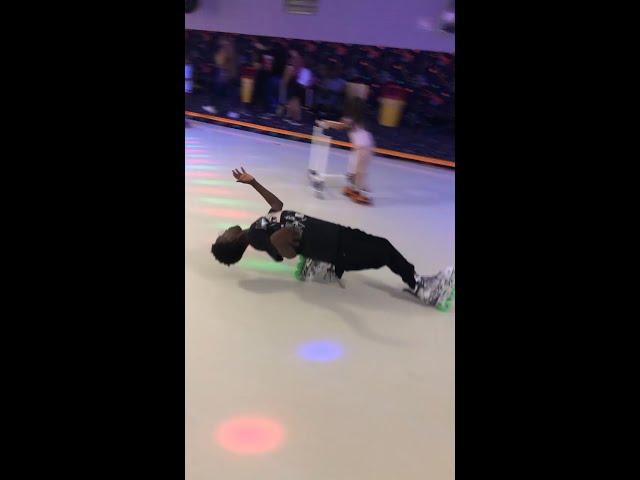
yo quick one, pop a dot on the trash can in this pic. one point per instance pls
(247, 82)
(392, 101)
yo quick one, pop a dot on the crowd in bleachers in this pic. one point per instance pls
(298, 81)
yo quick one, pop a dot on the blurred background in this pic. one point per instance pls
(398, 56)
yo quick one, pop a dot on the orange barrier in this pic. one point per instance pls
(306, 136)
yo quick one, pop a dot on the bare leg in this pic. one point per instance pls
(362, 167)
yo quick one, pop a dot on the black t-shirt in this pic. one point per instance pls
(260, 232)
(318, 239)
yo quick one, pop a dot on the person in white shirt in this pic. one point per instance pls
(361, 153)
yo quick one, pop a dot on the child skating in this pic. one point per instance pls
(363, 145)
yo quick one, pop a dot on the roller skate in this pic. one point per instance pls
(438, 290)
(349, 192)
(309, 270)
(318, 188)
(360, 198)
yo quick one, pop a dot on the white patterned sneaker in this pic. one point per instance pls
(438, 290)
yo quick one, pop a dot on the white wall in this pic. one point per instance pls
(389, 23)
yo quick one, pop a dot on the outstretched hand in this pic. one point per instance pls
(242, 176)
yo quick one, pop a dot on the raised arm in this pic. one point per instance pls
(243, 177)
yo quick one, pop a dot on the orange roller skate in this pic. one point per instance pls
(349, 192)
(360, 198)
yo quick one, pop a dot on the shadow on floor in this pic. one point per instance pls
(327, 297)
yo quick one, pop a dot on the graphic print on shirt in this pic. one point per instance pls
(274, 216)
(293, 220)
(318, 238)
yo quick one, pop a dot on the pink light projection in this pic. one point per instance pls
(212, 191)
(227, 213)
(250, 435)
(196, 174)
(198, 161)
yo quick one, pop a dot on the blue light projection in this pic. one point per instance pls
(320, 351)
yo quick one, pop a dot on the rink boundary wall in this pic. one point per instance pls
(307, 137)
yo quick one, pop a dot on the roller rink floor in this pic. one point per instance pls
(289, 380)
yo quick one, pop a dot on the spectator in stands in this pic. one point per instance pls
(331, 91)
(262, 84)
(225, 75)
(320, 75)
(428, 76)
(297, 79)
(279, 55)
(188, 81)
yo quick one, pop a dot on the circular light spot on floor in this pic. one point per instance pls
(320, 351)
(250, 435)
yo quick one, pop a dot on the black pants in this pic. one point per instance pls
(261, 90)
(221, 89)
(358, 250)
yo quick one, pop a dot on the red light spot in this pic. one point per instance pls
(227, 213)
(212, 191)
(250, 435)
(194, 161)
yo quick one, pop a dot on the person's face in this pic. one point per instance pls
(231, 234)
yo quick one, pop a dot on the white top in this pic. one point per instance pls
(360, 138)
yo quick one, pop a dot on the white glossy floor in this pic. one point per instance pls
(288, 380)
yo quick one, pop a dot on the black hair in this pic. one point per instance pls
(228, 252)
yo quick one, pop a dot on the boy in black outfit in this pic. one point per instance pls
(330, 249)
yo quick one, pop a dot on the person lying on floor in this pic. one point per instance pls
(330, 249)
